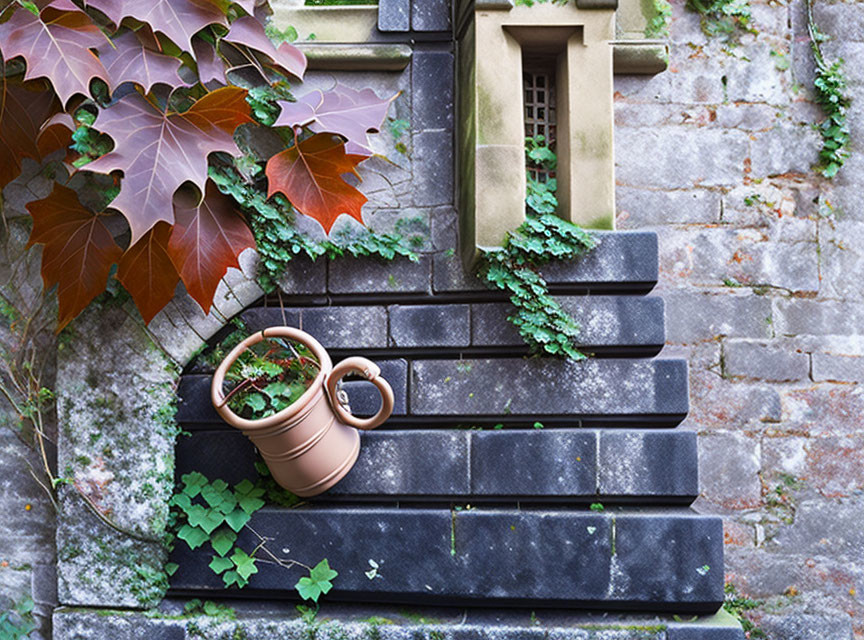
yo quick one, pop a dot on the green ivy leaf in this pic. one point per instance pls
(318, 583)
(171, 568)
(237, 519)
(193, 483)
(207, 519)
(245, 564)
(193, 536)
(218, 565)
(223, 540)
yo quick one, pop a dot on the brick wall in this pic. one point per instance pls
(760, 263)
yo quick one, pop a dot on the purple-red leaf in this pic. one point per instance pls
(147, 272)
(310, 176)
(342, 110)
(178, 20)
(23, 110)
(130, 61)
(158, 151)
(249, 32)
(210, 65)
(207, 239)
(78, 253)
(56, 45)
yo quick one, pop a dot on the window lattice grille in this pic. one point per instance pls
(539, 86)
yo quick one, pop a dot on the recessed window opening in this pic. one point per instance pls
(538, 80)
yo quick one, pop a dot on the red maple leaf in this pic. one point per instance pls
(310, 174)
(56, 45)
(160, 150)
(147, 272)
(78, 253)
(250, 32)
(23, 111)
(207, 238)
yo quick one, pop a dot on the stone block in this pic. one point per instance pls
(424, 464)
(729, 465)
(394, 15)
(719, 404)
(430, 325)
(823, 527)
(675, 158)
(544, 462)
(620, 321)
(347, 327)
(639, 208)
(799, 316)
(432, 90)
(373, 276)
(613, 559)
(652, 390)
(807, 626)
(694, 316)
(258, 318)
(623, 260)
(764, 360)
(831, 368)
(433, 167)
(119, 625)
(365, 398)
(841, 250)
(352, 622)
(304, 276)
(710, 256)
(786, 148)
(648, 463)
(430, 15)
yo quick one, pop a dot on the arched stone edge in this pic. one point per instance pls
(116, 382)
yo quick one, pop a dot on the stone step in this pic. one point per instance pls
(519, 390)
(619, 324)
(562, 465)
(364, 622)
(660, 560)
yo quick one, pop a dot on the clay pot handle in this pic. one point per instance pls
(371, 372)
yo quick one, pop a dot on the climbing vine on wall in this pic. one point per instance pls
(830, 87)
(141, 98)
(541, 320)
(723, 18)
(658, 25)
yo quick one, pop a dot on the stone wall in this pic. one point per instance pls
(760, 263)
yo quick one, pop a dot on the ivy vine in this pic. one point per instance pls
(213, 512)
(830, 88)
(723, 18)
(541, 320)
(658, 25)
(18, 623)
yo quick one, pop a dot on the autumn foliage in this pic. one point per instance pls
(168, 82)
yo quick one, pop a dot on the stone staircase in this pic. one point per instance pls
(483, 491)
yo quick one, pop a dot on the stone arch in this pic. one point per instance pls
(116, 383)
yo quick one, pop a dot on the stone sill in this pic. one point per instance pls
(269, 619)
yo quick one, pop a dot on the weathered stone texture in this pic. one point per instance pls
(763, 297)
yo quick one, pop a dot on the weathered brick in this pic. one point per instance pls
(826, 527)
(787, 148)
(430, 15)
(645, 207)
(433, 167)
(394, 15)
(824, 408)
(764, 361)
(675, 158)
(603, 321)
(347, 327)
(432, 90)
(374, 276)
(712, 256)
(729, 465)
(832, 368)
(796, 316)
(806, 626)
(430, 325)
(719, 403)
(842, 253)
(693, 315)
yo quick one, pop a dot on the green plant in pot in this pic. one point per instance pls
(279, 387)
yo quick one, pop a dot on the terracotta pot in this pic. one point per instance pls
(310, 445)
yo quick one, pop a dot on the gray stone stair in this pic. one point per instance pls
(262, 620)
(575, 466)
(492, 390)
(620, 558)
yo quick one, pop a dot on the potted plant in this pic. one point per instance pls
(279, 387)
